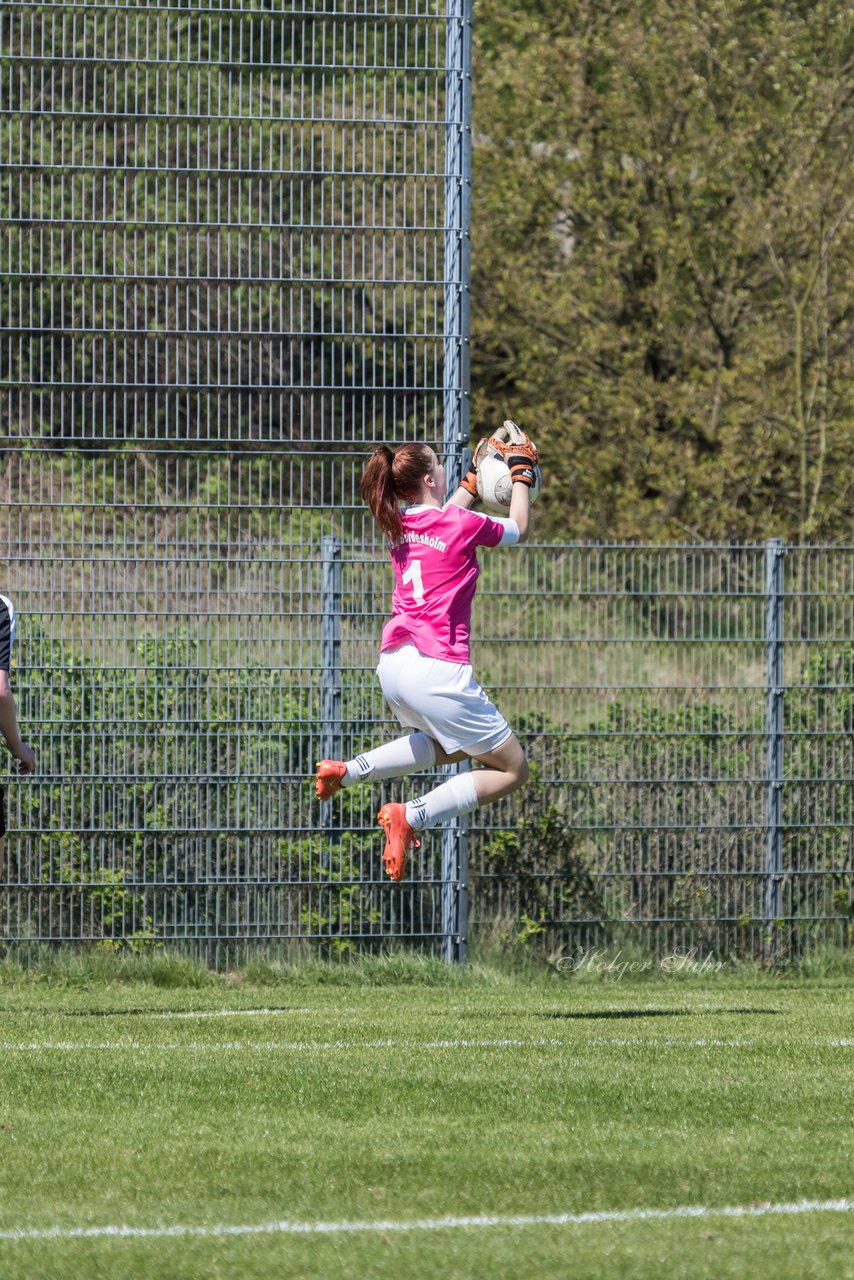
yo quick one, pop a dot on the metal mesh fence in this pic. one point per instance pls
(222, 224)
(689, 711)
(234, 257)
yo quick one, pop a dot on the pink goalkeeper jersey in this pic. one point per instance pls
(435, 569)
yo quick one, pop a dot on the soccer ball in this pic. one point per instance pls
(494, 485)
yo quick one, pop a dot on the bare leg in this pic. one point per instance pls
(504, 771)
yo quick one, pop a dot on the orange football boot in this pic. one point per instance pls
(329, 776)
(399, 839)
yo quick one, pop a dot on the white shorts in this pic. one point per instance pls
(443, 699)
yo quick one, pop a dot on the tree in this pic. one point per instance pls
(662, 243)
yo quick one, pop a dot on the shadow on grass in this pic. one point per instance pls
(649, 1013)
(254, 1011)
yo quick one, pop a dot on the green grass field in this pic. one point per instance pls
(375, 1097)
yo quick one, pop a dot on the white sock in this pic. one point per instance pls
(457, 795)
(392, 760)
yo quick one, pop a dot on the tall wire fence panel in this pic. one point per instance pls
(228, 230)
(224, 224)
(689, 714)
(234, 257)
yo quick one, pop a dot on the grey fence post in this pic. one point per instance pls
(331, 733)
(457, 275)
(774, 553)
(456, 381)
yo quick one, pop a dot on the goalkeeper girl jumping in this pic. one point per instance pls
(424, 667)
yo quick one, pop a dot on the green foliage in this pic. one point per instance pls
(223, 299)
(631, 843)
(662, 244)
(131, 827)
(338, 911)
(818, 798)
(540, 864)
(657, 814)
(653, 811)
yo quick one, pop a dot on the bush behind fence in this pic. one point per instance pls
(174, 802)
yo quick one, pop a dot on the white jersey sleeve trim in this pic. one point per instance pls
(510, 530)
(510, 534)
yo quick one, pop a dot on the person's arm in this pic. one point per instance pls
(520, 508)
(466, 494)
(21, 750)
(463, 497)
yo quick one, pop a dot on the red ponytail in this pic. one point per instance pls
(392, 477)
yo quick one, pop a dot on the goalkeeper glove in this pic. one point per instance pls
(469, 482)
(522, 470)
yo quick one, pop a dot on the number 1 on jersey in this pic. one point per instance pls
(413, 575)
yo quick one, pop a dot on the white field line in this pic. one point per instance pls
(758, 1210)
(220, 1013)
(327, 1046)
(285, 1046)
